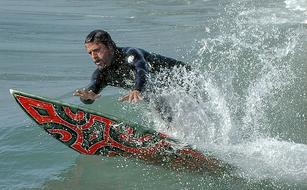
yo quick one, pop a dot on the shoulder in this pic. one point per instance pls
(97, 73)
(134, 54)
(133, 51)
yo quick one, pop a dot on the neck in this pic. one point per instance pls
(118, 56)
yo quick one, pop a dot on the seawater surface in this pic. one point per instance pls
(247, 100)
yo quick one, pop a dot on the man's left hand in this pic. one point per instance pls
(132, 97)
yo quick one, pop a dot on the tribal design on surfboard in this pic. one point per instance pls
(92, 133)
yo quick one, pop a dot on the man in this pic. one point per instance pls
(123, 67)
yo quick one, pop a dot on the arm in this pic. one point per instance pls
(89, 94)
(140, 75)
(162, 62)
(136, 59)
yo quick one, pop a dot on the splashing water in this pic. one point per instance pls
(241, 94)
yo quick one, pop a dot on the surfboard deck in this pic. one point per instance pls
(89, 132)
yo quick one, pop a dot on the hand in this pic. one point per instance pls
(132, 97)
(86, 94)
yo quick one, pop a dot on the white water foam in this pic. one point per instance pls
(296, 5)
(268, 158)
(226, 110)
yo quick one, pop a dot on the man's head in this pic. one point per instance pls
(100, 47)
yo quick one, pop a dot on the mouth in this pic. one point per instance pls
(100, 63)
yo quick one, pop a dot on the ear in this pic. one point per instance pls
(111, 48)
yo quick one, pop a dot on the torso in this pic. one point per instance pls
(129, 68)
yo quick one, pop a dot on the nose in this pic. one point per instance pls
(94, 55)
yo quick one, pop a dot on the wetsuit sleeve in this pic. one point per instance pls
(140, 75)
(166, 62)
(136, 59)
(96, 85)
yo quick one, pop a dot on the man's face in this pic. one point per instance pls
(100, 54)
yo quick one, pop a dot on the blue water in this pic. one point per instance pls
(249, 89)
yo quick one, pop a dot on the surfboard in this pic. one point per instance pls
(92, 133)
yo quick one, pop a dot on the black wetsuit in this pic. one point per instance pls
(129, 70)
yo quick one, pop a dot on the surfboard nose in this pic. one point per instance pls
(12, 91)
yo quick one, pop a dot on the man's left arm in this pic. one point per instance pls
(136, 59)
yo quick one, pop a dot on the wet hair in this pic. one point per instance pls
(100, 36)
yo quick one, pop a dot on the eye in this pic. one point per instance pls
(96, 50)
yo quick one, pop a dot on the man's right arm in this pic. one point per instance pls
(91, 92)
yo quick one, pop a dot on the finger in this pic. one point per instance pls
(77, 93)
(89, 94)
(130, 97)
(93, 95)
(81, 91)
(140, 97)
(123, 98)
(135, 98)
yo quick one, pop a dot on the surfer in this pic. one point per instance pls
(124, 67)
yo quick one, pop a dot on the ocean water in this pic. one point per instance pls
(247, 101)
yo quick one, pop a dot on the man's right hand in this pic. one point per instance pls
(86, 94)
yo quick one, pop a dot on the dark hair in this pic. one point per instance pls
(100, 36)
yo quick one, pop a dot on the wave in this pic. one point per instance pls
(296, 5)
(243, 96)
